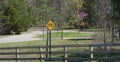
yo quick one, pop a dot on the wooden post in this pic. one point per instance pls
(50, 45)
(65, 53)
(41, 55)
(91, 54)
(47, 43)
(17, 55)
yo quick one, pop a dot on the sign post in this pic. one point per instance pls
(50, 25)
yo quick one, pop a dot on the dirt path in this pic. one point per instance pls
(22, 37)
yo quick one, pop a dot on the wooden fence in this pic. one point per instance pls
(93, 52)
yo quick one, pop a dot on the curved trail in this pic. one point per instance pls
(22, 37)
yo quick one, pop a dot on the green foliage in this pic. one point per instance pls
(45, 11)
(88, 6)
(60, 11)
(17, 16)
(73, 23)
(116, 6)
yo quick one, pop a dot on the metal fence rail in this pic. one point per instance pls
(94, 52)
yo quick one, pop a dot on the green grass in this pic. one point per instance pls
(43, 43)
(2, 36)
(54, 42)
(66, 34)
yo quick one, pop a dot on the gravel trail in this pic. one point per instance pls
(22, 37)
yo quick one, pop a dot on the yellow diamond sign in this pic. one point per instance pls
(50, 25)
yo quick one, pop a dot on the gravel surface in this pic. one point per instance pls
(22, 37)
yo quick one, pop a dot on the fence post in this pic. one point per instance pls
(41, 55)
(17, 55)
(91, 54)
(65, 53)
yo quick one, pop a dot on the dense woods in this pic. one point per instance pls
(18, 15)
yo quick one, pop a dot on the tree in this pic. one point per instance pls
(21, 14)
(56, 9)
(67, 11)
(17, 16)
(116, 9)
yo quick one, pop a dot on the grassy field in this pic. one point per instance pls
(54, 42)
(66, 34)
(43, 43)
